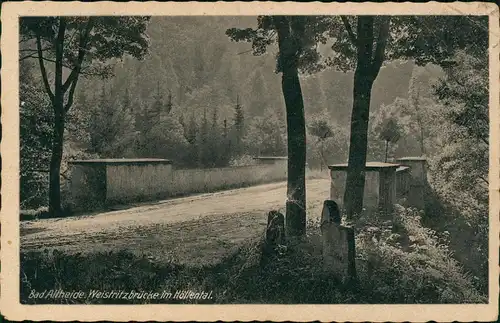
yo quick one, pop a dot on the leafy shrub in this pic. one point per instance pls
(399, 261)
(245, 160)
(105, 271)
(409, 263)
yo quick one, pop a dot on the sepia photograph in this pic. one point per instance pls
(208, 157)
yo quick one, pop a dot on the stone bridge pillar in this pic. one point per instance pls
(418, 180)
(387, 189)
(380, 185)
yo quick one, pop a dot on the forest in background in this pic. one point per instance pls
(212, 103)
(192, 85)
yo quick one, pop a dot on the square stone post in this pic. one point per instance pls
(337, 186)
(418, 180)
(339, 252)
(87, 185)
(387, 190)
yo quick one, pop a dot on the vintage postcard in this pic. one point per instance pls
(250, 161)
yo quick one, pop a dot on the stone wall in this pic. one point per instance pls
(185, 181)
(417, 180)
(371, 191)
(130, 182)
(385, 184)
(88, 186)
(103, 182)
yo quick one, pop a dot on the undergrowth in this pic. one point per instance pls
(409, 263)
(398, 262)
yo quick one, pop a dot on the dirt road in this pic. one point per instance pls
(197, 229)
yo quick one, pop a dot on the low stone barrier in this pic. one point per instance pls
(338, 244)
(100, 182)
(274, 238)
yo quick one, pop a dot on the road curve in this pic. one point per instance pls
(224, 217)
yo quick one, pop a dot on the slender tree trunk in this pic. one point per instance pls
(59, 115)
(321, 161)
(296, 130)
(55, 163)
(355, 180)
(296, 189)
(422, 147)
(419, 122)
(386, 150)
(367, 68)
(57, 99)
(322, 155)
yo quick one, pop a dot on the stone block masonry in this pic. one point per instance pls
(417, 180)
(339, 254)
(385, 184)
(100, 182)
(380, 185)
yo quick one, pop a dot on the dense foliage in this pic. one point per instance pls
(218, 105)
(399, 262)
(72, 47)
(35, 139)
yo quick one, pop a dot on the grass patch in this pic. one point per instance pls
(240, 278)
(34, 214)
(43, 213)
(317, 173)
(409, 263)
(399, 262)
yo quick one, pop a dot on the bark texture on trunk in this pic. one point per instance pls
(386, 150)
(355, 180)
(296, 128)
(59, 116)
(369, 61)
(59, 106)
(55, 165)
(296, 188)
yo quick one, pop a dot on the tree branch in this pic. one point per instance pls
(383, 34)
(46, 59)
(59, 55)
(244, 52)
(32, 55)
(42, 68)
(347, 26)
(71, 95)
(66, 65)
(485, 140)
(33, 50)
(73, 77)
(78, 68)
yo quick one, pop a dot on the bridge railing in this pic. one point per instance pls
(96, 183)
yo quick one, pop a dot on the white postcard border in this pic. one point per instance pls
(10, 257)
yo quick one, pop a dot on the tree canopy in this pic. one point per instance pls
(79, 46)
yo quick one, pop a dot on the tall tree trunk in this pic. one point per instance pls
(386, 150)
(322, 156)
(419, 122)
(59, 114)
(296, 188)
(57, 100)
(367, 68)
(421, 139)
(55, 163)
(355, 180)
(422, 146)
(296, 128)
